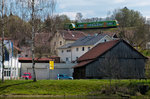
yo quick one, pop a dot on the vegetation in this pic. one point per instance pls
(123, 88)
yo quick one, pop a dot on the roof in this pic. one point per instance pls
(66, 46)
(88, 40)
(38, 60)
(97, 51)
(71, 35)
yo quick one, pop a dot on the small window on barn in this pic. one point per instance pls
(105, 40)
(82, 48)
(62, 51)
(77, 49)
(60, 42)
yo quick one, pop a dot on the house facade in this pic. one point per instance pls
(11, 63)
(64, 37)
(113, 59)
(72, 51)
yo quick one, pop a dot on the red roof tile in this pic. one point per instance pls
(97, 50)
(29, 59)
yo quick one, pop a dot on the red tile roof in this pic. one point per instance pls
(97, 50)
(72, 35)
(29, 59)
(82, 63)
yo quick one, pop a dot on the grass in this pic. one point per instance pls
(71, 87)
(145, 52)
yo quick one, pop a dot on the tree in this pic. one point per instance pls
(79, 17)
(58, 20)
(132, 26)
(36, 8)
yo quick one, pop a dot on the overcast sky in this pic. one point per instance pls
(100, 8)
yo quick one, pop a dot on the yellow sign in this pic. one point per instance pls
(51, 65)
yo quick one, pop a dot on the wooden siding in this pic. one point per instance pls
(79, 73)
(130, 64)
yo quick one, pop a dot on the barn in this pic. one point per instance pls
(114, 59)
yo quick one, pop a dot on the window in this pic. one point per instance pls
(82, 48)
(76, 58)
(60, 42)
(62, 51)
(67, 59)
(77, 49)
(68, 50)
(89, 48)
(105, 40)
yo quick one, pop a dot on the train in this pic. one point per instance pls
(91, 25)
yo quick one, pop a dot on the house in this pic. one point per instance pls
(72, 51)
(42, 69)
(63, 37)
(113, 59)
(42, 45)
(11, 63)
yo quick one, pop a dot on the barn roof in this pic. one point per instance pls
(88, 40)
(99, 50)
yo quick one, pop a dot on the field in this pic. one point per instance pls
(122, 88)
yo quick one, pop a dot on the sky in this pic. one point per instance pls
(100, 8)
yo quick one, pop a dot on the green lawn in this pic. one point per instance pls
(145, 52)
(74, 87)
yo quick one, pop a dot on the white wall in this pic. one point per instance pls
(74, 54)
(63, 54)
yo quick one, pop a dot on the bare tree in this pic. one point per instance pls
(36, 8)
(2, 19)
(79, 17)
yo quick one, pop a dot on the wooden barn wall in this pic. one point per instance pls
(79, 73)
(128, 63)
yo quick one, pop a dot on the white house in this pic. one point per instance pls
(63, 37)
(72, 51)
(11, 63)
